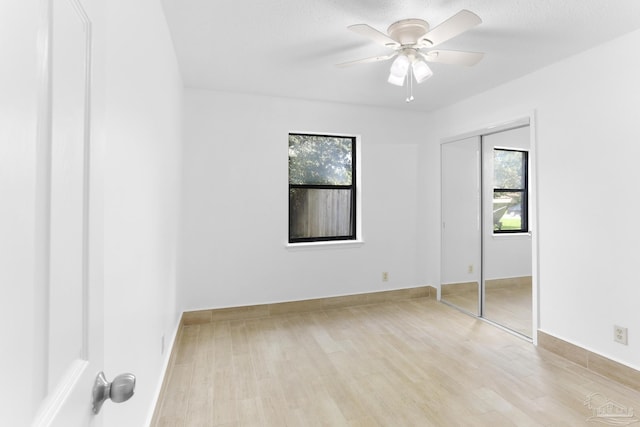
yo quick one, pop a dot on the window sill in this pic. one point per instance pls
(510, 235)
(338, 244)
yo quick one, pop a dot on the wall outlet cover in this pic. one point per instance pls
(620, 334)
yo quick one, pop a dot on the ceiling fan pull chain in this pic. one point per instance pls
(410, 85)
(407, 90)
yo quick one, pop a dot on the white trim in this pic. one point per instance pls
(511, 235)
(332, 244)
(491, 129)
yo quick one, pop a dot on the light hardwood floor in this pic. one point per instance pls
(415, 362)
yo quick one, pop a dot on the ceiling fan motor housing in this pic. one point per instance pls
(408, 31)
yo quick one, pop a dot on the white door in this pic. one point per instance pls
(69, 220)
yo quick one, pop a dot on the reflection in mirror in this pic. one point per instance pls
(463, 295)
(508, 303)
(507, 250)
(461, 239)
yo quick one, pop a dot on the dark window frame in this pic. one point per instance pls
(524, 214)
(352, 188)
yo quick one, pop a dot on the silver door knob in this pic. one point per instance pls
(119, 390)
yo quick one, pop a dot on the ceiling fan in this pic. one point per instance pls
(409, 37)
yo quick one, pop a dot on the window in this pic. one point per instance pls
(322, 191)
(510, 194)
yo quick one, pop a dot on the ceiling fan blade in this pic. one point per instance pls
(456, 25)
(453, 57)
(367, 60)
(373, 34)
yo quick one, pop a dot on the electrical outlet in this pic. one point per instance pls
(385, 276)
(620, 334)
(470, 269)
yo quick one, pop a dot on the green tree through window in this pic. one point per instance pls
(321, 188)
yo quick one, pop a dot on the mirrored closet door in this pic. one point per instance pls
(461, 222)
(486, 239)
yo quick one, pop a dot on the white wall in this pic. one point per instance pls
(236, 202)
(20, 360)
(587, 151)
(142, 184)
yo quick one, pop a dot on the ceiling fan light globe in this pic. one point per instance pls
(396, 80)
(400, 66)
(421, 71)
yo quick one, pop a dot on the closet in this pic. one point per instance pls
(486, 239)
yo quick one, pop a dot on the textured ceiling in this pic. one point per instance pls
(290, 47)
